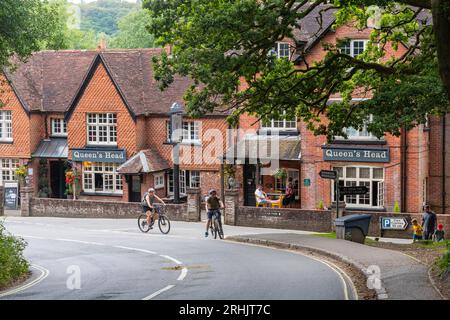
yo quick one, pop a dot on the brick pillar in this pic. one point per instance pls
(2, 201)
(26, 193)
(231, 206)
(193, 204)
(333, 213)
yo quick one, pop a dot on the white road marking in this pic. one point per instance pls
(44, 274)
(157, 293)
(183, 274)
(136, 249)
(80, 241)
(170, 258)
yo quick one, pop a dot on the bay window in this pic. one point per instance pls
(5, 126)
(370, 177)
(101, 177)
(102, 128)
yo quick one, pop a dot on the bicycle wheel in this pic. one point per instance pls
(219, 229)
(213, 231)
(142, 223)
(164, 224)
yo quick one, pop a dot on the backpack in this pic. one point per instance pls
(143, 201)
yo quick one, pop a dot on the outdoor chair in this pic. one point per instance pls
(278, 203)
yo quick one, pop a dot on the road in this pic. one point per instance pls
(112, 259)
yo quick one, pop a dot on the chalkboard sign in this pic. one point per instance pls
(11, 190)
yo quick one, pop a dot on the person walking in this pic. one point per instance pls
(429, 221)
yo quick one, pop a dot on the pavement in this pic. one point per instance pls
(402, 277)
(111, 259)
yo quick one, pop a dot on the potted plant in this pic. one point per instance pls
(281, 173)
(21, 173)
(73, 179)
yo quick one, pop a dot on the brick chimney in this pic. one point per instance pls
(103, 44)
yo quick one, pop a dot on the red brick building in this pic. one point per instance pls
(101, 113)
(394, 169)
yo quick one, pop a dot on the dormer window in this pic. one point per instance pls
(282, 50)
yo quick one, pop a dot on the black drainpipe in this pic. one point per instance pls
(443, 161)
(403, 164)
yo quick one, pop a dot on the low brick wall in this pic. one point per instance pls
(44, 207)
(284, 218)
(374, 228)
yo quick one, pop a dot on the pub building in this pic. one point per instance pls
(101, 114)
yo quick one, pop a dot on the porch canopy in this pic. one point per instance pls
(145, 161)
(55, 148)
(265, 148)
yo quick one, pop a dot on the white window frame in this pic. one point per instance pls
(6, 132)
(191, 132)
(362, 134)
(115, 180)
(186, 181)
(282, 124)
(280, 52)
(159, 180)
(351, 47)
(59, 127)
(357, 181)
(8, 169)
(97, 127)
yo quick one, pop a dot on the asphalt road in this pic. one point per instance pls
(112, 259)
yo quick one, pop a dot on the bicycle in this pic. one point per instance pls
(163, 221)
(216, 225)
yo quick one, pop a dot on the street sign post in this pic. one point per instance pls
(390, 223)
(332, 175)
(345, 191)
(328, 174)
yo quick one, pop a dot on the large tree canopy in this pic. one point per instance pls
(223, 44)
(26, 26)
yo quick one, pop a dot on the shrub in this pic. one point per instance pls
(321, 205)
(396, 207)
(12, 263)
(444, 262)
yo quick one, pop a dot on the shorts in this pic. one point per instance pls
(146, 208)
(211, 212)
(416, 237)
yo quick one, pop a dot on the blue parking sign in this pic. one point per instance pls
(386, 223)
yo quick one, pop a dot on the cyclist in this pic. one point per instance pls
(147, 206)
(213, 205)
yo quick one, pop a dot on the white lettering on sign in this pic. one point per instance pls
(394, 223)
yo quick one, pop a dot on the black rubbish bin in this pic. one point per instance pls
(354, 227)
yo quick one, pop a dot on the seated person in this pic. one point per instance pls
(261, 196)
(289, 195)
(439, 233)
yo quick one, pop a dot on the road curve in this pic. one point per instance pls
(111, 259)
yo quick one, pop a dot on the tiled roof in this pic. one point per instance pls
(144, 161)
(49, 80)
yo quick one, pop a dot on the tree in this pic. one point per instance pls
(36, 17)
(133, 31)
(223, 44)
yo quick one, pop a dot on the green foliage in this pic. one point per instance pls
(103, 15)
(444, 262)
(13, 264)
(133, 31)
(222, 44)
(396, 207)
(26, 26)
(321, 206)
(43, 182)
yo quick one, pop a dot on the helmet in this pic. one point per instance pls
(151, 190)
(212, 191)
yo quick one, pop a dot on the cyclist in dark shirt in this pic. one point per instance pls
(213, 205)
(147, 205)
